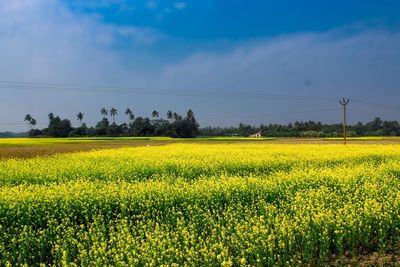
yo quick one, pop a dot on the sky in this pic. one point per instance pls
(256, 62)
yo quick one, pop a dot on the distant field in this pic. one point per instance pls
(49, 141)
(52, 141)
(31, 147)
(203, 204)
(364, 138)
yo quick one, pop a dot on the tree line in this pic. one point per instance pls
(376, 127)
(177, 126)
(174, 125)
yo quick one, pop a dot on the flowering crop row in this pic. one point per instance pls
(200, 205)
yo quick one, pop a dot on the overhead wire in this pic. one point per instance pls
(207, 117)
(268, 114)
(374, 105)
(59, 87)
(112, 89)
(54, 87)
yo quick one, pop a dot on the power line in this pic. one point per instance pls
(376, 105)
(112, 89)
(269, 114)
(373, 107)
(55, 87)
(203, 118)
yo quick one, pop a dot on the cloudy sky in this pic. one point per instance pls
(230, 61)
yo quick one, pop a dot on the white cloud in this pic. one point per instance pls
(360, 65)
(141, 35)
(43, 41)
(46, 32)
(279, 63)
(180, 5)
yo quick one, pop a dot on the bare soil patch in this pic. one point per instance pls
(52, 149)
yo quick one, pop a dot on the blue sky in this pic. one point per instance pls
(237, 19)
(258, 61)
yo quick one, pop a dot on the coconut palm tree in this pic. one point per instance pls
(113, 113)
(190, 115)
(176, 117)
(169, 115)
(28, 117)
(155, 114)
(129, 113)
(33, 122)
(104, 112)
(80, 116)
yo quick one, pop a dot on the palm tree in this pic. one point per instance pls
(176, 116)
(28, 119)
(104, 112)
(129, 113)
(80, 116)
(155, 114)
(169, 115)
(113, 113)
(190, 115)
(33, 122)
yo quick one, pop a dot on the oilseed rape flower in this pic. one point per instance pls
(199, 204)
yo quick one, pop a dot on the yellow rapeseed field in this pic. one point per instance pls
(200, 204)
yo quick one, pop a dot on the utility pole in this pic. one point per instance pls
(344, 103)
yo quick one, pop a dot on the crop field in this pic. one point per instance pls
(57, 141)
(202, 204)
(32, 147)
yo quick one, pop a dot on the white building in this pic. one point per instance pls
(256, 135)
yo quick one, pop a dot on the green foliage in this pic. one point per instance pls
(184, 128)
(58, 127)
(377, 127)
(142, 127)
(175, 126)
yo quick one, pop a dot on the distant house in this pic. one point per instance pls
(256, 135)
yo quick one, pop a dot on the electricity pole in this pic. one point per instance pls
(344, 103)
